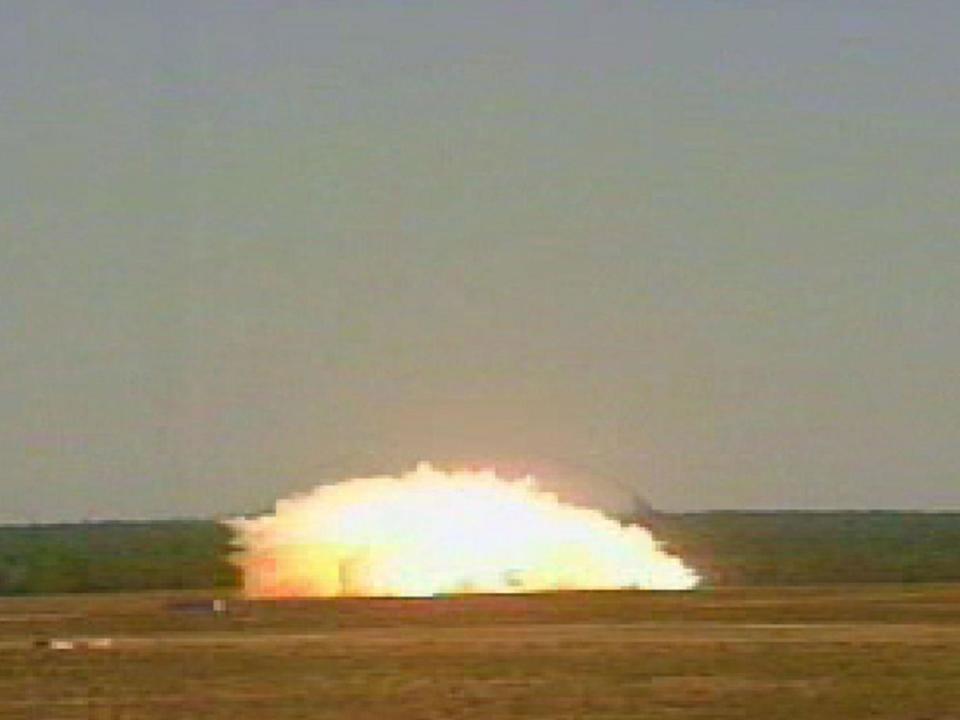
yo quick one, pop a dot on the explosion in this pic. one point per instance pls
(431, 532)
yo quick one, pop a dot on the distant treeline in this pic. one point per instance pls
(809, 548)
(95, 557)
(728, 548)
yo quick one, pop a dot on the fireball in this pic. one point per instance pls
(430, 532)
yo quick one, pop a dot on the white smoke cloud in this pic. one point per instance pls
(432, 532)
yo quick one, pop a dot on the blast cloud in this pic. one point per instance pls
(432, 532)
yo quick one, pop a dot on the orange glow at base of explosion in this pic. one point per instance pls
(431, 532)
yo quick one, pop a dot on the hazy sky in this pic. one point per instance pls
(707, 249)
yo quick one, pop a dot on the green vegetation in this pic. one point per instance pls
(729, 548)
(808, 548)
(97, 557)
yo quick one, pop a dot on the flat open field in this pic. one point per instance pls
(851, 652)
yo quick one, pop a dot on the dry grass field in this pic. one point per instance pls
(846, 653)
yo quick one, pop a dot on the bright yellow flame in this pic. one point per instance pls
(430, 532)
